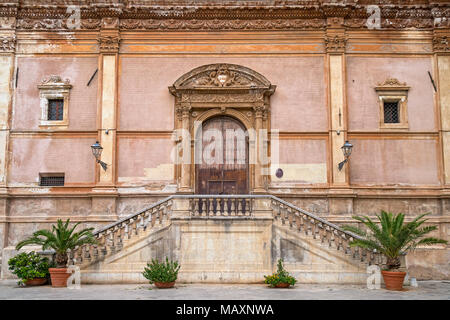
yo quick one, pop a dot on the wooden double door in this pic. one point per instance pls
(224, 165)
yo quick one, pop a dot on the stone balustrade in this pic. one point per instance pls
(327, 233)
(111, 238)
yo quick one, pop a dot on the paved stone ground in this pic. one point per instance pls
(426, 290)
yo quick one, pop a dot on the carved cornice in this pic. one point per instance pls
(108, 43)
(211, 15)
(441, 44)
(392, 84)
(335, 44)
(7, 43)
(54, 82)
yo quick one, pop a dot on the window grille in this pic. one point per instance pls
(51, 180)
(391, 112)
(55, 109)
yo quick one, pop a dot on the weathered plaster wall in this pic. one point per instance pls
(394, 161)
(32, 155)
(302, 161)
(83, 98)
(145, 159)
(364, 73)
(299, 103)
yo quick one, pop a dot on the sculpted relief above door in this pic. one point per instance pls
(210, 101)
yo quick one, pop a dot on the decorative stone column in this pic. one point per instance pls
(185, 183)
(259, 178)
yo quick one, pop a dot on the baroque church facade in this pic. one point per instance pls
(155, 82)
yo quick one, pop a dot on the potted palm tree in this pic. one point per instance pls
(394, 239)
(61, 239)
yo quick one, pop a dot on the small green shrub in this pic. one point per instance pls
(161, 271)
(29, 266)
(281, 276)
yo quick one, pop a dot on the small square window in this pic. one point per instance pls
(51, 179)
(391, 112)
(393, 97)
(55, 109)
(54, 101)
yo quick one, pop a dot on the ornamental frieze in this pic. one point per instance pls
(199, 25)
(56, 24)
(223, 98)
(252, 15)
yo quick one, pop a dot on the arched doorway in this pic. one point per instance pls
(217, 90)
(222, 155)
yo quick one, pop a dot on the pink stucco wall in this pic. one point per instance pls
(30, 156)
(137, 154)
(83, 98)
(364, 73)
(302, 151)
(299, 102)
(388, 161)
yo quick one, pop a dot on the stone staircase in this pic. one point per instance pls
(224, 238)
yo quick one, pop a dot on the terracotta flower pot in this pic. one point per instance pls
(35, 282)
(393, 280)
(59, 277)
(282, 285)
(164, 285)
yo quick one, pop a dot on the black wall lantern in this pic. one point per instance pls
(347, 151)
(97, 152)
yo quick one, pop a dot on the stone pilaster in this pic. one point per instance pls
(105, 193)
(441, 47)
(340, 201)
(185, 183)
(259, 166)
(7, 49)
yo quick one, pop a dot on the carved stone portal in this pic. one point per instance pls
(218, 90)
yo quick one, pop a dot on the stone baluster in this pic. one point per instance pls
(112, 240)
(297, 221)
(210, 207)
(126, 231)
(133, 224)
(233, 207)
(87, 254)
(313, 229)
(153, 217)
(77, 256)
(290, 217)
(324, 234)
(196, 208)
(248, 206)
(160, 215)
